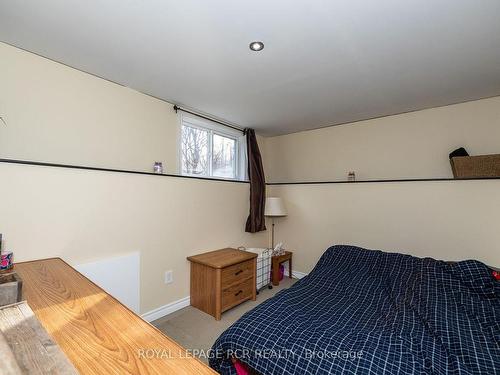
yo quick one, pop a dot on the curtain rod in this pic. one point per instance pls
(177, 108)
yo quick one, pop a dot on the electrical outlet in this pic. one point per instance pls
(169, 277)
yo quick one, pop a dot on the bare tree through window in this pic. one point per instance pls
(206, 152)
(194, 149)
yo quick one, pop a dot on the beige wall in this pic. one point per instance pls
(83, 216)
(444, 220)
(57, 114)
(61, 115)
(409, 145)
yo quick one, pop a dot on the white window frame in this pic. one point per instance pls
(240, 158)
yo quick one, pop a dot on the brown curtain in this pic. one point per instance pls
(256, 220)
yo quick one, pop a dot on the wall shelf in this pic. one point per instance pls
(57, 165)
(382, 181)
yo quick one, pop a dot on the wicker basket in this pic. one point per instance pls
(476, 166)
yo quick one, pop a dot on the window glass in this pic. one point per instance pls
(223, 157)
(194, 151)
(208, 149)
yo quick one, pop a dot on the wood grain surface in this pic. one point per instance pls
(236, 294)
(222, 279)
(275, 265)
(35, 352)
(97, 333)
(237, 273)
(222, 258)
(8, 364)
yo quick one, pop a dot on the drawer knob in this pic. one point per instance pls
(237, 273)
(235, 294)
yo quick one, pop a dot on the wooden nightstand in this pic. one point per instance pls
(276, 261)
(222, 279)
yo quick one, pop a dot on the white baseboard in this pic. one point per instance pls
(171, 307)
(164, 310)
(296, 274)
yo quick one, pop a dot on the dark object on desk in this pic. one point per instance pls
(459, 152)
(6, 261)
(11, 287)
(377, 313)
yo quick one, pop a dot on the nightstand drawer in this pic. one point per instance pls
(235, 294)
(235, 273)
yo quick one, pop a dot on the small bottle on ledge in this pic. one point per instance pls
(158, 167)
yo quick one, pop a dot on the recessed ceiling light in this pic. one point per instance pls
(256, 46)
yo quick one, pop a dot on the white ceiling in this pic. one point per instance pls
(324, 62)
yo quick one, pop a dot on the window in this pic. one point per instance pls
(208, 149)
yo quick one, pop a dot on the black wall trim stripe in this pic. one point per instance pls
(381, 181)
(56, 165)
(43, 164)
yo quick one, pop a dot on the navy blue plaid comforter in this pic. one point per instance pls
(369, 312)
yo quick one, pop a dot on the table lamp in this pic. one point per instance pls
(274, 208)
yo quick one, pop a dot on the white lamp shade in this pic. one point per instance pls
(275, 207)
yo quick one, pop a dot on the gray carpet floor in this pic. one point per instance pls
(197, 331)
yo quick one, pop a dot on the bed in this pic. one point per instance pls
(370, 312)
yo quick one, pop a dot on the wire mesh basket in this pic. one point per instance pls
(263, 267)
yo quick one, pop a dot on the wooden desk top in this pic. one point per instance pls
(222, 258)
(98, 334)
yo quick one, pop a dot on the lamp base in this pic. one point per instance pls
(272, 236)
